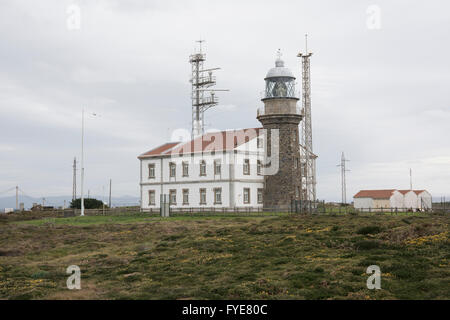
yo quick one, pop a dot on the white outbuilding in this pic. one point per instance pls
(393, 198)
(377, 199)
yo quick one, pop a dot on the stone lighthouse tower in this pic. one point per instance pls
(281, 117)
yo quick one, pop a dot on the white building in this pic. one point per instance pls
(375, 199)
(424, 199)
(216, 170)
(392, 198)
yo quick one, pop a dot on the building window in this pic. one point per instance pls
(258, 167)
(202, 196)
(297, 192)
(259, 143)
(173, 196)
(151, 197)
(203, 168)
(172, 169)
(151, 171)
(246, 166)
(260, 195)
(185, 196)
(217, 195)
(295, 163)
(185, 169)
(217, 167)
(246, 195)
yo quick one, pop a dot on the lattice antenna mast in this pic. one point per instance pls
(343, 178)
(308, 158)
(201, 80)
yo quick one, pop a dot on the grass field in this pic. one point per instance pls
(281, 257)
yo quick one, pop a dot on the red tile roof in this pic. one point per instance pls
(214, 141)
(418, 191)
(375, 194)
(403, 192)
(159, 150)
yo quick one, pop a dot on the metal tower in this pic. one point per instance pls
(308, 158)
(201, 80)
(343, 179)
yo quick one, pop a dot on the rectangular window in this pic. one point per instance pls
(173, 196)
(217, 195)
(295, 163)
(172, 169)
(259, 143)
(185, 169)
(217, 167)
(151, 197)
(151, 171)
(246, 166)
(258, 167)
(202, 196)
(185, 196)
(246, 195)
(203, 168)
(297, 192)
(260, 195)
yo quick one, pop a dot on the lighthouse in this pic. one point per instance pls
(281, 115)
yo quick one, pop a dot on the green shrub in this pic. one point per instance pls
(369, 230)
(367, 245)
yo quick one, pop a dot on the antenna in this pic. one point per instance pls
(307, 157)
(200, 44)
(202, 80)
(410, 179)
(343, 178)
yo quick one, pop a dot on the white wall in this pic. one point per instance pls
(410, 200)
(362, 203)
(424, 200)
(396, 200)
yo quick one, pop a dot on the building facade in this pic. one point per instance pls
(216, 170)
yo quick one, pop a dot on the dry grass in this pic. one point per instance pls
(141, 257)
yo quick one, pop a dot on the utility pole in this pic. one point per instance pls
(82, 162)
(343, 178)
(110, 186)
(74, 186)
(17, 198)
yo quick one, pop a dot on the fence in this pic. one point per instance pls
(317, 208)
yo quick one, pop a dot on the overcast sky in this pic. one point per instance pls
(380, 85)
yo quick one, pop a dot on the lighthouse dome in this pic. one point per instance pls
(279, 71)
